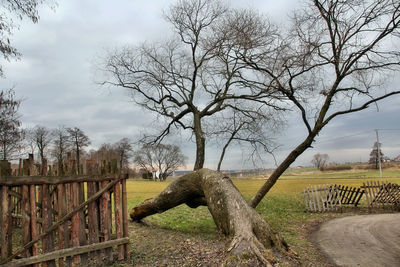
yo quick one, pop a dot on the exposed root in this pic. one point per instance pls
(233, 216)
(241, 245)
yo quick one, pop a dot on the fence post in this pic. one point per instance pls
(82, 223)
(75, 222)
(125, 215)
(26, 221)
(93, 217)
(104, 219)
(48, 241)
(118, 226)
(4, 222)
(62, 229)
(34, 233)
(56, 197)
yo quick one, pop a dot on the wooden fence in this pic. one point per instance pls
(71, 220)
(382, 194)
(334, 197)
(331, 197)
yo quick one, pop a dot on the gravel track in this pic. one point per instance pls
(363, 240)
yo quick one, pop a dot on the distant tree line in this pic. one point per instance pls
(376, 156)
(63, 142)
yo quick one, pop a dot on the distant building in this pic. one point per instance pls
(156, 173)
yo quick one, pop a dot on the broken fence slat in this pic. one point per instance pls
(68, 252)
(317, 199)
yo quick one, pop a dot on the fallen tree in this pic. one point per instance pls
(251, 234)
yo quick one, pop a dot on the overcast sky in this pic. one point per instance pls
(55, 77)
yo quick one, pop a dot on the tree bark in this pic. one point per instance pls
(273, 178)
(231, 213)
(200, 142)
(221, 158)
(77, 159)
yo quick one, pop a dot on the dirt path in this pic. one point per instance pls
(364, 240)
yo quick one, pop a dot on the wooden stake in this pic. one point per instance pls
(26, 233)
(93, 214)
(48, 241)
(65, 218)
(34, 233)
(75, 222)
(104, 220)
(4, 222)
(118, 215)
(61, 212)
(125, 216)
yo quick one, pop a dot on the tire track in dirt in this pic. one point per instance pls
(363, 240)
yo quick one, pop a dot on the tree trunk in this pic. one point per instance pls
(4, 152)
(221, 158)
(231, 213)
(200, 142)
(273, 178)
(77, 160)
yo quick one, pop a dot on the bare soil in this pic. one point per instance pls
(152, 245)
(155, 246)
(362, 240)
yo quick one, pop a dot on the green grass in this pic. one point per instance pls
(283, 207)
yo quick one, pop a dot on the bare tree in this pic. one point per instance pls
(376, 155)
(11, 135)
(106, 152)
(190, 78)
(29, 145)
(329, 63)
(11, 10)
(123, 149)
(332, 62)
(61, 146)
(78, 140)
(106, 155)
(255, 128)
(160, 158)
(320, 161)
(42, 138)
(187, 81)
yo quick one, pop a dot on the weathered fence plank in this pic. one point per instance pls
(66, 217)
(34, 233)
(4, 222)
(68, 252)
(82, 222)
(118, 215)
(125, 216)
(75, 222)
(48, 240)
(320, 198)
(53, 214)
(382, 195)
(93, 217)
(104, 220)
(335, 197)
(26, 233)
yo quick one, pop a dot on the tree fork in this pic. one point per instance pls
(231, 213)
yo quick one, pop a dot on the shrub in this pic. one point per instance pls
(337, 168)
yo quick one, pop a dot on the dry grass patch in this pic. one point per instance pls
(283, 208)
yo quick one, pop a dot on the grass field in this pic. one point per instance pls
(283, 207)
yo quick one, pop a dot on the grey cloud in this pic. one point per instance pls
(55, 77)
